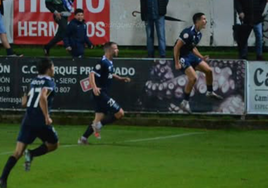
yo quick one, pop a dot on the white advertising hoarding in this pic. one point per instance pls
(257, 87)
(128, 30)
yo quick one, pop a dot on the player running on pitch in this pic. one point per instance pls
(107, 110)
(36, 122)
(188, 58)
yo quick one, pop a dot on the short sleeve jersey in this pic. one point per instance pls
(190, 37)
(104, 71)
(34, 111)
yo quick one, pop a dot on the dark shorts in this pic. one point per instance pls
(28, 133)
(105, 104)
(189, 60)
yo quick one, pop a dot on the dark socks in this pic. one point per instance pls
(11, 162)
(88, 132)
(186, 96)
(41, 150)
(108, 119)
(9, 51)
(209, 88)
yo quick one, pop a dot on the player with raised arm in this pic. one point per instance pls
(188, 58)
(36, 122)
(107, 110)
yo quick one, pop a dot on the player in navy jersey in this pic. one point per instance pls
(107, 110)
(188, 58)
(36, 122)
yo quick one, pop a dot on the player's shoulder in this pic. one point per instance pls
(38, 81)
(188, 30)
(105, 62)
(186, 34)
(43, 81)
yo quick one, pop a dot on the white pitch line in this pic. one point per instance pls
(69, 146)
(137, 140)
(6, 153)
(63, 146)
(165, 137)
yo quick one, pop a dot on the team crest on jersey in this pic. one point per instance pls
(110, 68)
(110, 76)
(98, 67)
(186, 36)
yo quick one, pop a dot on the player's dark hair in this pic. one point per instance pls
(197, 16)
(79, 10)
(108, 45)
(43, 65)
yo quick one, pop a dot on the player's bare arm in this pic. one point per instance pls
(176, 52)
(44, 105)
(198, 54)
(124, 79)
(24, 100)
(96, 90)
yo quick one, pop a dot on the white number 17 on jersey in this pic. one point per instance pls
(32, 92)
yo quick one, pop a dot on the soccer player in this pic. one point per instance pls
(36, 122)
(188, 58)
(107, 110)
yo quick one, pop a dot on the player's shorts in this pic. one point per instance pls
(28, 133)
(189, 60)
(105, 104)
(2, 26)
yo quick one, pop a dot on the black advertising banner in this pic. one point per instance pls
(156, 86)
(73, 91)
(164, 89)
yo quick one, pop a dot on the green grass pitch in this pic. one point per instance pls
(143, 157)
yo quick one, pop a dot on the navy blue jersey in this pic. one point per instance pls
(34, 113)
(104, 71)
(190, 37)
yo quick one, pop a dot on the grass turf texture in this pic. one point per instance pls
(131, 52)
(215, 159)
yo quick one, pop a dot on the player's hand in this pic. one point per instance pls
(24, 100)
(126, 79)
(206, 58)
(178, 66)
(69, 48)
(96, 91)
(57, 15)
(48, 120)
(242, 16)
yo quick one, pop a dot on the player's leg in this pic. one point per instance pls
(89, 131)
(205, 68)
(115, 113)
(192, 77)
(100, 110)
(120, 114)
(50, 143)
(11, 162)
(100, 120)
(108, 119)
